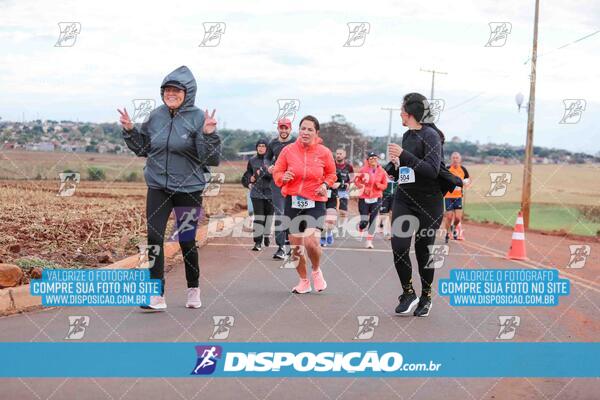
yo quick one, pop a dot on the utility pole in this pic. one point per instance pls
(391, 110)
(526, 197)
(352, 150)
(433, 72)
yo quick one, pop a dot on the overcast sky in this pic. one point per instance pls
(276, 50)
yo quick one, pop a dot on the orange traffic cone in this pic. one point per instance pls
(459, 232)
(517, 246)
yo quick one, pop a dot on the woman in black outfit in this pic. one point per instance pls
(416, 165)
(258, 179)
(179, 142)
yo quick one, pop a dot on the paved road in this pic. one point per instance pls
(255, 290)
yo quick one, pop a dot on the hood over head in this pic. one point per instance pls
(181, 77)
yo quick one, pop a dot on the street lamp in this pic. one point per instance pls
(519, 100)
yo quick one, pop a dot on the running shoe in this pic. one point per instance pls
(302, 287)
(455, 234)
(193, 298)
(157, 303)
(406, 303)
(279, 254)
(323, 242)
(423, 308)
(370, 244)
(267, 241)
(329, 239)
(318, 280)
(257, 247)
(447, 238)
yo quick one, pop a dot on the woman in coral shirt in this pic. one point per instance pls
(305, 170)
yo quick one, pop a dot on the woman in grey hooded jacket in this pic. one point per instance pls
(179, 143)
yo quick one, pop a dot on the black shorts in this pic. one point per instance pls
(332, 201)
(299, 220)
(386, 204)
(453, 203)
(343, 204)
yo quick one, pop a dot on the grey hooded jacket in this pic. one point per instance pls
(177, 150)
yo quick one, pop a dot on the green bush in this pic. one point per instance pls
(131, 177)
(96, 174)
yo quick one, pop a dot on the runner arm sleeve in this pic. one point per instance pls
(247, 175)
(269, 154)
(382, 184)
(137, 141)
(391, 169)
(429, 166)
(330, 171)
(208, 147)
(465, 172)
(281, 166)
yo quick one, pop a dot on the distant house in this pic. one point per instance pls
(41, 146)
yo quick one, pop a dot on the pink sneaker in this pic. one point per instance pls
(157, 303)
(318, 280)
(302, 287)
(193, 298)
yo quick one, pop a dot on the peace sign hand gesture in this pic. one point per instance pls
(210, 123)
(125, 120)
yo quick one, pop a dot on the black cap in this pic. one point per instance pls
(372, 154)
(173, 84)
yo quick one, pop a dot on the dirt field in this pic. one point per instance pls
(76, 231)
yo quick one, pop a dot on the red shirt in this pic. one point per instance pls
(311, 165)
(376, 184)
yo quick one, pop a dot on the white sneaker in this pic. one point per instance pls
(157, 303)
(193, 298)
(370, 244)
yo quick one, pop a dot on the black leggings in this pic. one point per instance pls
(263, 218)
(428, 210)
(368, 214)
(187, 206)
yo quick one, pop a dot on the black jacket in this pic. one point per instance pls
(261, 187)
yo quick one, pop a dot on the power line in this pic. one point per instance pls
(433, 72)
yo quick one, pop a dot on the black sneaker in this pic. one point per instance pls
(447, 238)
(257, 247)
(267, 241)
(279, 254)
(407, 302)
(455, 234)
(424, 307)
